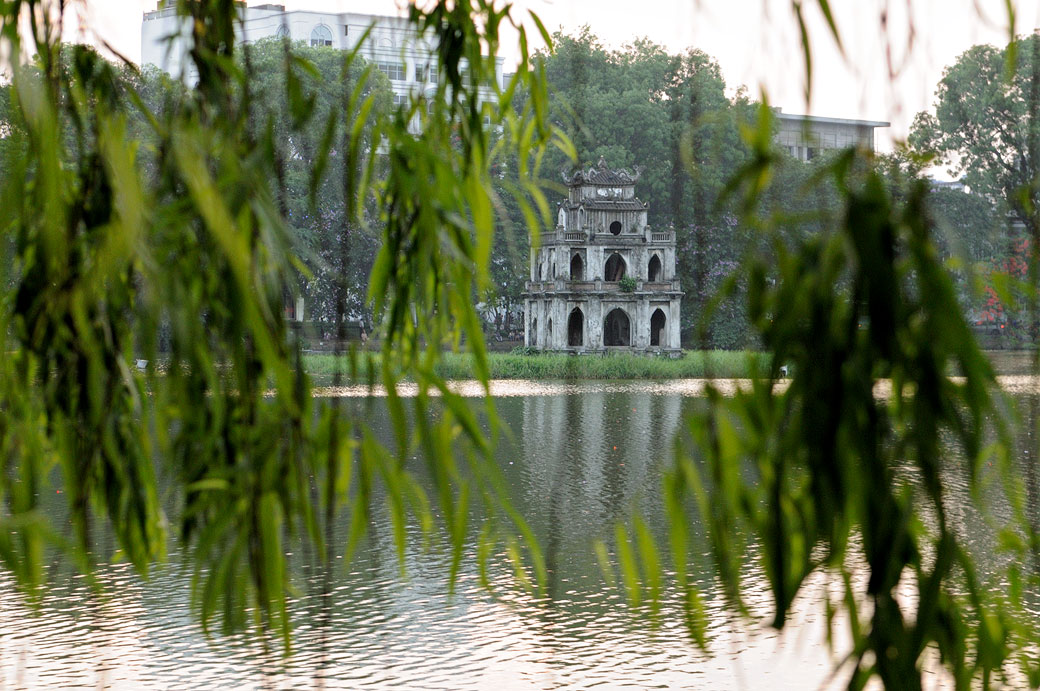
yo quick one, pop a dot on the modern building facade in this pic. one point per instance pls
(392, 44)
(807, 136)
(603, 280)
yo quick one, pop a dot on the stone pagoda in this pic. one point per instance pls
(602, 280)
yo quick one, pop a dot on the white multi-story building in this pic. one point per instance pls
(393, 45)
(806, 136)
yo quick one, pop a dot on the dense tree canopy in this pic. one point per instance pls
(986, 124)
(134, 205)
(640, 106)
(310, 126)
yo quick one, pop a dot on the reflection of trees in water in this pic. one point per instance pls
(587, 459)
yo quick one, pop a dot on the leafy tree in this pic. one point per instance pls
(303, 98)
(986, 124)
(827, 479)
(113, 236)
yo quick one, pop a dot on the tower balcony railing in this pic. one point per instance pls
(560, 236)
(599, 285)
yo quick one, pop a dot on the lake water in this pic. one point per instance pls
(581, 457)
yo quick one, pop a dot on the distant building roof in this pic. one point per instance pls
(813, 119)
(806, 136)
(957, 185)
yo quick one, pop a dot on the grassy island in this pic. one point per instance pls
(693, 364)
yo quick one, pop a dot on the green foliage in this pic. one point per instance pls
(693, 364)
(305, 98)
(986, 127)
(627, 284)
(525, 364)
(134, 206)
(830, 475)
(640, 106)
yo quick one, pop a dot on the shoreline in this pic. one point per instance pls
(694, 364)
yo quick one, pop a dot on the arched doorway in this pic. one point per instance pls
(653, 270)
(657, 324)
(576, 328)
(548, 333)
(577, 268)
(534, 332)
(614, 269)
(616, 329)
(615, 227)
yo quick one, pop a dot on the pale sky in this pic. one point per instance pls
(755, 41)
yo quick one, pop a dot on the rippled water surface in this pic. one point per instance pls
(580, 458)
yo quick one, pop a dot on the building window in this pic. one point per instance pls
(321, 36)
(424, 73)
(615, 227)
(616, 331)
(400, 99)
(653, 270)
(576, 328)
(283, 31)
(577, 268)
(657, 332)
(615, 269)
(394, 70)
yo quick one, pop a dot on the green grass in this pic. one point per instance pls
(693, 364)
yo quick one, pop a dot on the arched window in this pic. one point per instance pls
(576, 328)
(534, 332)
(548, 333)
(614, 269)
(283, 31)
(539, 275)
(653, 270)
(554, 271)
(657, 333)
(577, 268)
(321, 36)
(616, 329)
(615, 227)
